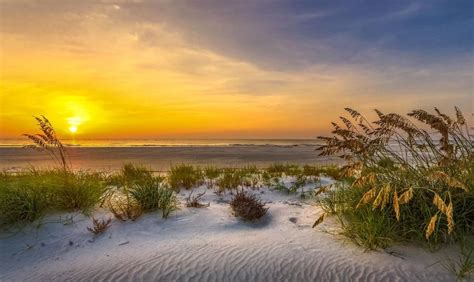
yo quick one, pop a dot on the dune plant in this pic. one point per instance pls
(136, 191)
(21, 200)
(167, 202)
(47, 141)
(413, 184)
(247, 206)
(123, 206)
(78, 190)
(250, 175)
(230, 180)
(25, 196)
(99, 226)
(195, 201)
(211, 173)
(184, 176)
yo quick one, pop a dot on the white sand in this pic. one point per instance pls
(208, 244)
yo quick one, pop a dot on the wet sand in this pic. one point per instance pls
(161, 158)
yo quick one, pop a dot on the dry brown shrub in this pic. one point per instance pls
(247, 206)
(99, 226)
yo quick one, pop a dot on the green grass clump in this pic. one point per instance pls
(184, 176)
(230, 180)
(139, 191)
(148, 193)
(401, 182)
(79, 191)
(278, 169)
(155, 195)
(211, 173)
(21, 203)
(26, 196)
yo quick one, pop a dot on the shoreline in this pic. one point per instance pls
(161, 158)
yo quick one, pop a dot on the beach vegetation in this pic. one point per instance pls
(211, 173)
(47, 141)
(407, 178)
(185, 176)
(247, 206)
(139, 191)
(230, 180)
(27, 195)
(195, 201)
(99, 226)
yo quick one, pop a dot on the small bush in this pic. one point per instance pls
(247, 206)
(99, 226)
(184, 176)
(195, 201)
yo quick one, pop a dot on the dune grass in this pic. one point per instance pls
(26, 196)
(185, 176)
(403, 182)
(137, 190)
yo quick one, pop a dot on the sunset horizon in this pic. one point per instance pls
(131, 69)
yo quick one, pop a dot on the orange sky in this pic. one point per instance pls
(98, 71)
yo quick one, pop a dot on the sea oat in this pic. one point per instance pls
(439, 203)
(319, 220)
(396, 207)
(368, 196)
(449, 215)
(431, 226)
(406, 196)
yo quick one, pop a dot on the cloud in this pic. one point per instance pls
(279, 67)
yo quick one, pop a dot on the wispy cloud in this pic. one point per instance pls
(277, 68)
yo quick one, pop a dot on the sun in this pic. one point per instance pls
(73, 129)
(74, 123)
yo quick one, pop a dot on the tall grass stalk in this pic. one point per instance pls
(415, 172)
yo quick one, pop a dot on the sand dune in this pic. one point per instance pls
(208, 245)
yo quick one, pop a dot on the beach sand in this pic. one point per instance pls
(209, 244)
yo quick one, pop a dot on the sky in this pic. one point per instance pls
(227, 69)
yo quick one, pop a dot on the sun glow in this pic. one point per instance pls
(73, 129)
(73, 122)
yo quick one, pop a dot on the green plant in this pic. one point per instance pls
(78, 190)
(247, 206)
(147, 193)
(184, 176)
(230, 179)
(281, 187)
(211, 173)
(135, 174)
(405, 177)
(21, 203)
(168, 202)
